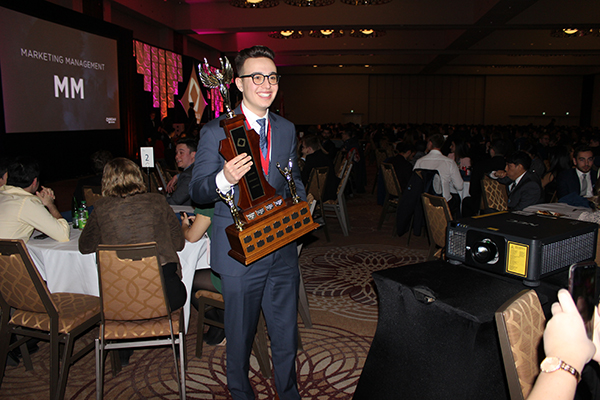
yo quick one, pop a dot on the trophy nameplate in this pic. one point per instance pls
(264, 221)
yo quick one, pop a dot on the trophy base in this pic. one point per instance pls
(263, 237)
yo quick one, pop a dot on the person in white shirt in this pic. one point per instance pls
(448, 182)
(25, 207)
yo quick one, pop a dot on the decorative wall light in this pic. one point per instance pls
(289, 34)
(366, 33)
(162, 71)
(309, 3)
(254, 3)
(326, 33)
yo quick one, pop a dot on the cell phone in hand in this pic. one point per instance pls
(582, 286)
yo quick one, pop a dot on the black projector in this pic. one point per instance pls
(520, 244)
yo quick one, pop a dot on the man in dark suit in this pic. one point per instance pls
(315, 157)
(271, 283)
(178, 186)
(578, 181)
(524, 187)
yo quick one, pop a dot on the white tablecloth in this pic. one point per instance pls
(65, 269)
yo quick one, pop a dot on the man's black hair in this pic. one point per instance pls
(192, 144)
(22, 171)
(519, 158)
(581, 149)
(252, 52)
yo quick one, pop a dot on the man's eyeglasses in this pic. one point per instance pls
(258, 78)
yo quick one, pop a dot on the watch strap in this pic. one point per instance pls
(556, 364)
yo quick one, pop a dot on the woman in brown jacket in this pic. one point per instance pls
(126, 214)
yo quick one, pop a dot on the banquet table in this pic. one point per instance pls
(65, 269)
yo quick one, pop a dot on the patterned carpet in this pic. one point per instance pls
(343, 304)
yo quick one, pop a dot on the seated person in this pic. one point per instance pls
(524, 187)
(314, 157)
(99, 160)
(126, 214)
(204, 279)
(24, 207)
(185, 154)
(402, 163)
(4, 162)
(578, 182)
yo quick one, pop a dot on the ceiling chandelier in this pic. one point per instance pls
(366, 33)
(309, 3)
(326, 33)
(289, 34)
(254, 3)
(574, 32)
(365, 2)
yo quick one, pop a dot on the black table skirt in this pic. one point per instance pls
(447, 349)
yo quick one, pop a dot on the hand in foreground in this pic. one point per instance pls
(46, 195)
(237, 167)
(171, 184)
(565, 335)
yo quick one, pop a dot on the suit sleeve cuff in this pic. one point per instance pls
(222, 183)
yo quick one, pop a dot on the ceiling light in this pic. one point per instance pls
(326, 33)
(573, 32)
(286, 34)
(365, 2)
(309, 3)
(366, 33)
(254, 3)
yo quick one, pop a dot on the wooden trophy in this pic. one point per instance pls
(264, 221)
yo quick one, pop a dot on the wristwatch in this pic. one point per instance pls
(551, 364)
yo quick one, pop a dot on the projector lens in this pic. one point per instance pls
(484, 251)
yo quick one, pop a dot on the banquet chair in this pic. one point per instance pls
(380, 157)
(316, 187)
(494, 195)
(392, 194)
(520, 323)
(214, 299)
(59, 318)
(337, 163)
(338, 206)
(135, 307)
(437, 216)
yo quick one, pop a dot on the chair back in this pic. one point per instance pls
(316, 182)
(494, 194)
(337, 163)
(390, 179)
(437, 216)
(380, 157)
(131, 282)
(21, 285)
(342, 185)
(92, 194)
(520, 323)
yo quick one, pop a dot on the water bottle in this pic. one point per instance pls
(85, 210)
(75, 218)
(82, 219)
